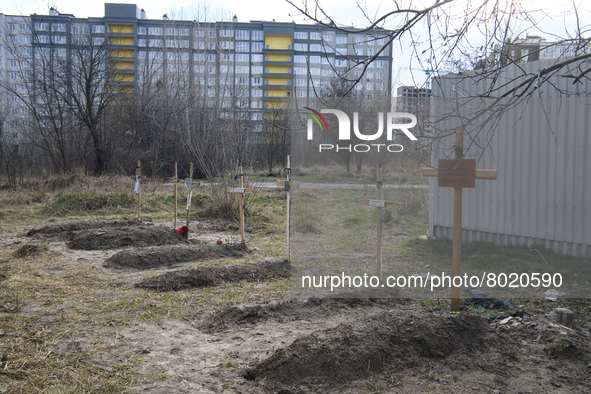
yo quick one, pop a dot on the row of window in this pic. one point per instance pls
(23, 26)
(340, 39)
(227, 57)
(239, 34)
(225, 69)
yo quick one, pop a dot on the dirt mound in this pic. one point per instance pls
(119, 237)
(100, 235)
(214, 275)
(63, 231)
(286, 311)
(169, 256)
(369, 346)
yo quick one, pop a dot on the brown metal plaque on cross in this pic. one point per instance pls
(457, 173)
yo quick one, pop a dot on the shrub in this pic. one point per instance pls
(26, 250)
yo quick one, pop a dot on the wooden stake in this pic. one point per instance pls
(379, 203)
(287, 184)
(138, 174)
(456, 249)
(175, 182)
(189, 202)
(240, 189)
(241, 185)
(379, 181)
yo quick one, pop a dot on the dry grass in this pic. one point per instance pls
(225, 204)
(60, 324)
(401, 170)
(26, 250)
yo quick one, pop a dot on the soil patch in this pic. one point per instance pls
(287, 311)
(97, 235)
(168, 256)
(214, 275)
(119, 237)
(105, 235)
(63, 231)
(368, 346)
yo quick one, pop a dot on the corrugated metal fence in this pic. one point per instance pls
(541, 149)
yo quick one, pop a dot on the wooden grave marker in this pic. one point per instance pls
(241, 190)
(189, 186)
(138, 174)
(380, 204)
(288, 185)
(175, 182)
(457, 173)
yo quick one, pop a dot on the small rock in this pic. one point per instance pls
(564, 316)
(552, 294)
(477, 293)
(506, 320)
(423, 237)
(313, 347)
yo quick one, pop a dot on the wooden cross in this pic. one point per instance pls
(138, 174)
(190, 193)
(240, 189)
(457, 173)
(175, 181)
(379, 203)
(288, 184)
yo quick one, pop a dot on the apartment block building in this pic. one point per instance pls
(257, 66)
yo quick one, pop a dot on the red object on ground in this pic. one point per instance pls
(183, 230)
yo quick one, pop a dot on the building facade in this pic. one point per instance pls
(540, 147)
(257, 66)
(532, 49)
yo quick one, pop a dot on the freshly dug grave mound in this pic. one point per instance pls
(97, 235)
(214, 275)
(63, 231)
(294, 309)
(358, 350)
(119, 237)
(169, 256)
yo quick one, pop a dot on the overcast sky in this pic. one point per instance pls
(344, 11)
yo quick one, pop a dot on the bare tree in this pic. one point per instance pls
(91, 89)
(452, 35)
(479, 43)
(40, 90)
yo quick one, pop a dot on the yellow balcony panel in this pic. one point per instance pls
(122, 65)
(123, 78)
(277, 81)
(277, 93)
(277, 42)
(125, 29)
(121, 53)
(125, 89)
(121, 41)
(277, 57)
(277, 69)
(277, 106)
